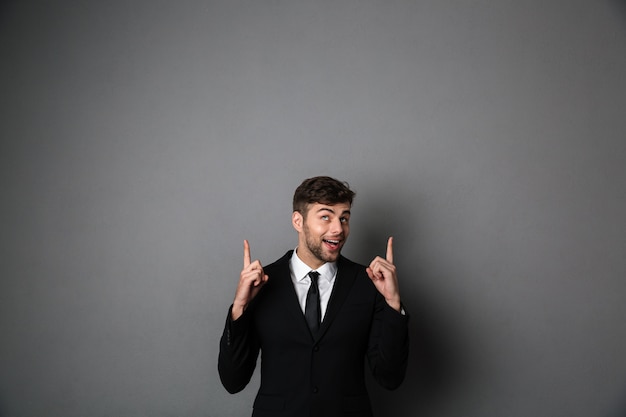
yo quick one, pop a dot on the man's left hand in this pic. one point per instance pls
(382, 272)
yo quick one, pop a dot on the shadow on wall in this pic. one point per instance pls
(434, 362)
(619, 411)
(3, 412)
(620, 6)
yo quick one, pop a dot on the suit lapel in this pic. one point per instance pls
(346, 274)
(287, 294)
(287, 291)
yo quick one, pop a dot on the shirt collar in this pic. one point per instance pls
(328, 271)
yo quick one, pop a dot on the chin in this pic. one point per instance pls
(332, 257)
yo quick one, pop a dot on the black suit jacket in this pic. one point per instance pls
(304, 374)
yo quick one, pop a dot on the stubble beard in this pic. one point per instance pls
(316, 248)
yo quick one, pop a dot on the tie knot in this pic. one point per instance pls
(314, 276)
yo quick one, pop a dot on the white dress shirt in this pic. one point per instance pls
(302, 281)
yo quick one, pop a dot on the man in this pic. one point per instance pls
(315, 316)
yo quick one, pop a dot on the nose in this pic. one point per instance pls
(336, 226)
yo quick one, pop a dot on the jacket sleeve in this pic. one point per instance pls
(239, 349)
(388, 349)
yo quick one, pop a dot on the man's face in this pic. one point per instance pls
(322, 232)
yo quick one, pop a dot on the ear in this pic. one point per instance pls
(297, 220)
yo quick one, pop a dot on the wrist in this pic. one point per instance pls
(237, 311)
(395, 304)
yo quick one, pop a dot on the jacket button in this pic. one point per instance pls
(316, 348)
(315, 390)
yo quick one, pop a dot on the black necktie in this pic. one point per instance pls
(312, 311)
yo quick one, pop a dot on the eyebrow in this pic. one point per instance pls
(332, 211)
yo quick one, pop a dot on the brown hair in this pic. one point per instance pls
(323, 190)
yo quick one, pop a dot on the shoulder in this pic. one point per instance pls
(279, 264)
(347, 265)
(279, 278)
(354, 272)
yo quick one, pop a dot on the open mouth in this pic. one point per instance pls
(333, 244)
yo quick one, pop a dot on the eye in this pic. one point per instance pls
(325, 217)
(344, 220)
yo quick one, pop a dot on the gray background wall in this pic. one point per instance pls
(142, 141)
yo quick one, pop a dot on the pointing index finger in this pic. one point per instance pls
(246, 253)
(389, 255)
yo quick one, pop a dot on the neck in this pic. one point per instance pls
(309, 259)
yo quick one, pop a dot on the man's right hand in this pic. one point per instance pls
(251, 279)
